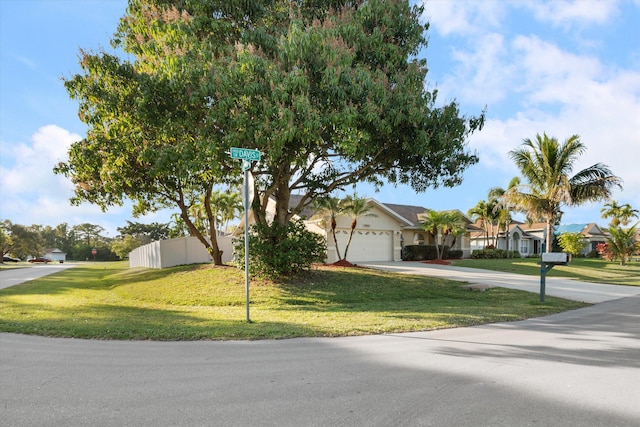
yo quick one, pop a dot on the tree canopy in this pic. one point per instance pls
(331, 92)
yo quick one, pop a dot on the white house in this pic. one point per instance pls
(55, 254)
(528, 239)
(378, 236)
(592, 232)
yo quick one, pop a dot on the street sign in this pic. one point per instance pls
(245, 154)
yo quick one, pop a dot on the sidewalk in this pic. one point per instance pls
(555, 286)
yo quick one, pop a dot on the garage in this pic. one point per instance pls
(366, 245)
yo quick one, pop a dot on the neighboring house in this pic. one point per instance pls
(55, 254)
(528, 239)
(592, 232)
(379, 236)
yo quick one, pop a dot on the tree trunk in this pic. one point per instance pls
(549, 236)
(354, 223)
(335, 239)
(212, 248)
(434, 234)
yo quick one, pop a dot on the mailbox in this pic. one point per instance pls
(555, 257)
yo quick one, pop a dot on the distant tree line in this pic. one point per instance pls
(78, 241)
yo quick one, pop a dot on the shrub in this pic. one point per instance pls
(573, 243)
(422, 252)
(593, 254)
(490, 253)
(455, 254)
(276, 251)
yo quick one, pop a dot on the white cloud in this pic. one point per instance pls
(32, 194)
(463, 17)
(485, 70)
(31, 164)
(532, 85)
(567, 13)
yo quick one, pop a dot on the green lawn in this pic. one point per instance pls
(110, 301)
(584, 269)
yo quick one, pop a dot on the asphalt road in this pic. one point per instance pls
(15, 276)
(578, 368)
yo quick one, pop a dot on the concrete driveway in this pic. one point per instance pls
(555, 286)
(578, 368)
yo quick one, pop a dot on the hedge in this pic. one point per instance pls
(423, 252)
(493, 254)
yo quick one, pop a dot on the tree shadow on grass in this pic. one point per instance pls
(105, 321)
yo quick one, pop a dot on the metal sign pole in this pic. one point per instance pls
(247, 156)
(246, 238)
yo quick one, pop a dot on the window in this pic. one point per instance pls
(524, 246)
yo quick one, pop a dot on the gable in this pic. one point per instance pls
(379, 218)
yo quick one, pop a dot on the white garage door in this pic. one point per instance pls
(366, 245)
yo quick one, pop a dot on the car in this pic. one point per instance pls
(6, 258)
(40, 259)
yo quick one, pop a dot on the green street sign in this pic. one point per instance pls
(245, 154)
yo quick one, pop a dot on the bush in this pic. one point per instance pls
(490, 253)
(593, 254)
(422, 252)
(276, 251)
(455, 254)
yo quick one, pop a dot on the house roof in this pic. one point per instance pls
(307, 212)
(531, 226)
(408, 212)
(517, 227)
(53, 250)
(590, 229)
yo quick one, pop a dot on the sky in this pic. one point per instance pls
(555, 67)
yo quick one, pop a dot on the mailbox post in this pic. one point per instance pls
(549, 260)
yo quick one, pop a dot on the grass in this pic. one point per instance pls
(583, 269)
(110, 301)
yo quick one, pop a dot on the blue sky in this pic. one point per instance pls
(558, 67)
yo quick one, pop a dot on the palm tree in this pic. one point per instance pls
(480, 212)
(504, 208)
(546, 164)
(328, 208)
(622, 243)
(619, 214)
(441, 224)
(225, 205)
(355, 207)
(178, 227)
(488, 213)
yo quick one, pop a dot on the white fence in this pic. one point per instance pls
(180, 251)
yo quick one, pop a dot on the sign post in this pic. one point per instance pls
(247, 156)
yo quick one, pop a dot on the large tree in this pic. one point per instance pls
(331, 92)
(546, 166)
